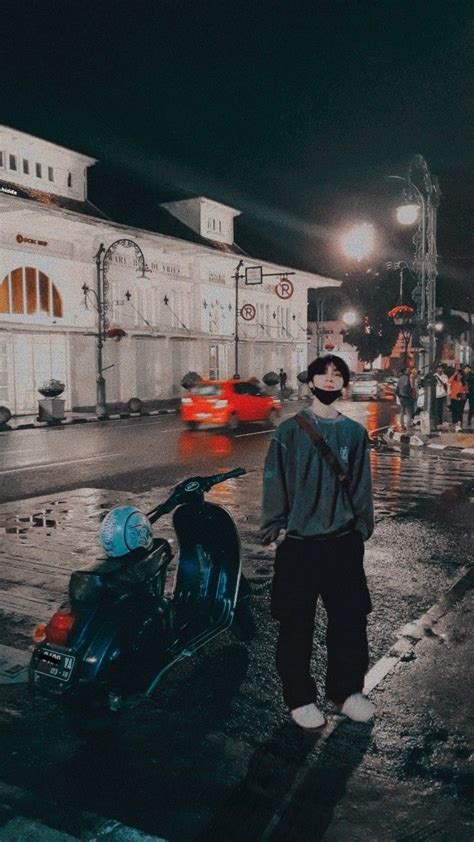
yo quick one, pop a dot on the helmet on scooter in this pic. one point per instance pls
(124, 529)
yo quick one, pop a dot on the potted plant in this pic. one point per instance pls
(52, 388)
(190, 379)
(51, 407)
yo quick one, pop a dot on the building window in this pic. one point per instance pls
(27, 292)
(220, 226)
(12, 160)
(1, 159)
(26, 166)
(50, 174)
(38, 170)
(69, 179)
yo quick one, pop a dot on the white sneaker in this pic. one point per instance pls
(457, 428)
(308, 717)
(358, 708)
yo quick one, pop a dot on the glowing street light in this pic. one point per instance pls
(358, 242)
(350, 318)
(408, 214)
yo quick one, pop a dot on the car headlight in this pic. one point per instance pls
(220, 404)
(186, 400)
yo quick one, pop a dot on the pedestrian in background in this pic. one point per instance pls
(469, 380)
(420, 400)
(457, 398)
(441, 384)
(282, 378)
(404, 392)
(325, 524)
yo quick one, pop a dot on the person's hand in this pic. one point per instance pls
(278, 540)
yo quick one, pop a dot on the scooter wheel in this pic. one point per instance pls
(90, 717)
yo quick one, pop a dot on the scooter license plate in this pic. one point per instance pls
(58, 665)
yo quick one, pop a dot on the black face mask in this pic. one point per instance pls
(325, 396)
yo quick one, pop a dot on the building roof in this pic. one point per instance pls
(51, 200)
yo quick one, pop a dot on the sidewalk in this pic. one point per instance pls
(404, 778)
(416, 779)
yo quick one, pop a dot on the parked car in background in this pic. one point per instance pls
(373, 386)
(227, 403)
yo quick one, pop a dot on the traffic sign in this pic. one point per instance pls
(253, 275)
(284, 288)
(248, 312)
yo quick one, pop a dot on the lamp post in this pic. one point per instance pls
(237, 276)
(421, 205)
(101, 306)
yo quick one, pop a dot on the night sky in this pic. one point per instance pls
(295, 113)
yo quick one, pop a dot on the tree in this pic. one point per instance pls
(372, 294)
(372, 337)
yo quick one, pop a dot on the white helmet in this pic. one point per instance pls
(124, 529)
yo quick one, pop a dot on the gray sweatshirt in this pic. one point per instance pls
(300, 490)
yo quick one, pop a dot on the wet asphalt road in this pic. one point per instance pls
(136, 454)
(212, 756)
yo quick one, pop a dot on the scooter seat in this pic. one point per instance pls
(122, 575)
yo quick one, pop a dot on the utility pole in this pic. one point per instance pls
(237, 276)
(426, 195)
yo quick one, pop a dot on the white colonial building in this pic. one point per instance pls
(179, 316)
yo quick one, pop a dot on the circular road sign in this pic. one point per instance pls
(248, 312)
(284, 288)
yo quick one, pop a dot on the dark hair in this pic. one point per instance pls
(319, 366)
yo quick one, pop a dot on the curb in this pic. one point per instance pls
(67, 422)
(415, 440)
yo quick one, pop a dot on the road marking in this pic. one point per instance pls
(57, 464)
(11, 452)
(257, 433)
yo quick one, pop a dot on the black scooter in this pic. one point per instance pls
(119, 633)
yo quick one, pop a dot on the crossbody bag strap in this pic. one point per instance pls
(325, 452)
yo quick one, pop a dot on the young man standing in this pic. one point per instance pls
(325, 523)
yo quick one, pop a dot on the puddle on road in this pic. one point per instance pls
(14, 524)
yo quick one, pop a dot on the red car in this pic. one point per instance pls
(227, 403)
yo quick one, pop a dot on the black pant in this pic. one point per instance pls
(334, 569)
(457, 409)
(471, 408)
(440, 404)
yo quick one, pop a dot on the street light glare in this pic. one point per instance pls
(349, 318)
(359, 241)
(407, 214)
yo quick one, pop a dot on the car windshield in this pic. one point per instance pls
(206, 390)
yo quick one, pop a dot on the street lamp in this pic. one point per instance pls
(358, 242)
(422, 205)
(101, 306)
(350, 318)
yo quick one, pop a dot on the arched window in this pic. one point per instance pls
(27, 291)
